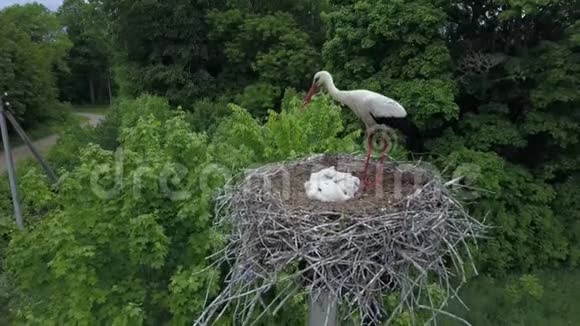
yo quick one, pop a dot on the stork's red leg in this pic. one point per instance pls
(384, 152)
(379, 178)
(365, 180)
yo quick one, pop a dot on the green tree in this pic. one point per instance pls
(187, 51)
(397, 48)
(88, 79)
(162, 48)
(492, 84)
(270, 50)
(135, 254)
(125, 238)
(32, 47)
(525, 232)
(567, 209)
(305, 12)
(516, 63)
(517, 74)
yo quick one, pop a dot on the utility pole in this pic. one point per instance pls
(10, 166)
(6, 114)
(323, 310)
(49, 172)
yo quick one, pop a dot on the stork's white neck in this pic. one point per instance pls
(334, 92)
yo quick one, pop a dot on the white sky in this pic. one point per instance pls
(50, 4)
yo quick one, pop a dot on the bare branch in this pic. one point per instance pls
(359, 251)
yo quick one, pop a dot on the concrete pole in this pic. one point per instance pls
(49, 172)
(10, 167)
(323, 310)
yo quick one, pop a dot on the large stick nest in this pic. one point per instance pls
(402, 237)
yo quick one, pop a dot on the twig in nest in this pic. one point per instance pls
(358, 251)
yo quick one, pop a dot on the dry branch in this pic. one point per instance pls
(409, 233)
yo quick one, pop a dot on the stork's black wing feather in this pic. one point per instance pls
(406, 126)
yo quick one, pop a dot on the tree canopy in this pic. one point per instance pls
(207, 88)
(89, 61)
(33, 45)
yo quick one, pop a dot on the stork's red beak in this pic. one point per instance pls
(311, 93)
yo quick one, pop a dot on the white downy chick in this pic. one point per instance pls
(329, 185)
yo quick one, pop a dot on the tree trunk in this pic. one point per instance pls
(92, 90)
(109, 88)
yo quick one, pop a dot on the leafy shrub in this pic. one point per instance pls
(259, 98)
(241, 140)
(205, 115)
(124, 239)
(543, 298)
(525, 233)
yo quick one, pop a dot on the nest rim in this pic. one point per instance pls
(269, 231)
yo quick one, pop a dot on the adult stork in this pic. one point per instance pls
(376, 111)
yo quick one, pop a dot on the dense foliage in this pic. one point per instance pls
(492, 84)
(163, 47)
(32, 48)
(138, 252)
(396, 48)
(184, 50)
(88, 78)
(542, 299)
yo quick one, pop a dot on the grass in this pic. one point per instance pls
(82, 119)
(95, 109)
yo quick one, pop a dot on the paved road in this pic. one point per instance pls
(45, 144)
(94, 119)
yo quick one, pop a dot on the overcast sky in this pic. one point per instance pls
(50, 4)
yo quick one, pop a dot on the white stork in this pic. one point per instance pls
(375, 110)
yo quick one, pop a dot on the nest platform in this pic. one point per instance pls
(407, 236)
